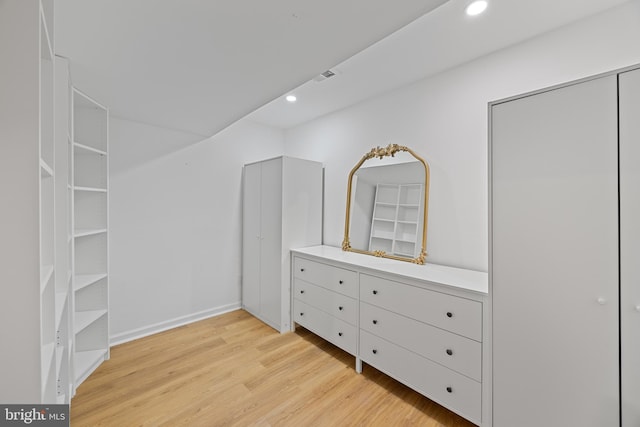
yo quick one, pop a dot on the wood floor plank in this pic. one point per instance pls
(233, 370)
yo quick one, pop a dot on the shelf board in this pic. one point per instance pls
(83, 232)
(84, 280)
(386, 204)
(408, 222)
(48, 351)
(85, 318)
(381, 238)
(413, 242)
(383, 219)
(46, 171)
(85, 148)
(46, 271)
(86, 361)
(408, 205)
(90, 189)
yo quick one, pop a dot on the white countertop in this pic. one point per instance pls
(475, 281)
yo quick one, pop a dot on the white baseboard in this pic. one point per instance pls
(135, 334)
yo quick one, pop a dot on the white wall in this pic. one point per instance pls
(176, 200)
(444, 119)
(175, 220)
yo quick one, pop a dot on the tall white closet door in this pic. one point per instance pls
(630, 245)
(554, 258)
(282, 210)
(251, 238)
(271, 239)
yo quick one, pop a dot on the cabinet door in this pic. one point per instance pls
(251, 238)
(630, 245)
(271, 248)
(554, 265)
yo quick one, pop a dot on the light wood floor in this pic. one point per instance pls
(232, 370)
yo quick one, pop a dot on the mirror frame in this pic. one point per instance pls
(389, 151)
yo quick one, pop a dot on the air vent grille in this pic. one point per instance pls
(324, 76)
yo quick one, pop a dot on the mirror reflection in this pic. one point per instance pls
(387, 205)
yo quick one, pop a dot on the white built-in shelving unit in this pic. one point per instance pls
(29, 308)
(53, 221)
(395, 228)
(90, 242)
(63, 230)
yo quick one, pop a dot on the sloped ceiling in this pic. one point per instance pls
(200, 65)
(431, 44)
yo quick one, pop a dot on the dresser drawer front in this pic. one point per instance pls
(328, 327)
(461, 354)
(333, 303)
(333, 278)
(452, 390)
(459, 315)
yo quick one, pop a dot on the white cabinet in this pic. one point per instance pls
(458, 353)
(560, 259)
(90, 224)
(29, 309)
(424, 325)
(427, 339)
(630, 246)
(282, 208)
(325, 302)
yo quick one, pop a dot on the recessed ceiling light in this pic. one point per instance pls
(291, 98)
(476, 7)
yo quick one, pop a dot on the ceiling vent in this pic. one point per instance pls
(324, 76)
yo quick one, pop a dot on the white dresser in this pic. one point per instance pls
(424, 325)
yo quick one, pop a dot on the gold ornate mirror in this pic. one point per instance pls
(387, 205)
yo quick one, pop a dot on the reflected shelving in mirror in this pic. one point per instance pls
(387, 205)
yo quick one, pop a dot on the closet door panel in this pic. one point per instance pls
(251, 238)
(271, 232)
(630, 245)
(555, 258)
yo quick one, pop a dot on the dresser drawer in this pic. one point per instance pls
(328, 327)
(459, 315)
(338, 305)
(333, 278)
(457, 392)
(461, 354)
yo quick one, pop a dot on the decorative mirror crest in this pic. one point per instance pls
(392, 212)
